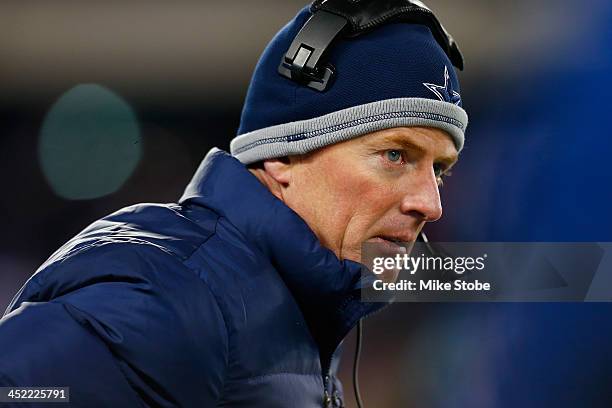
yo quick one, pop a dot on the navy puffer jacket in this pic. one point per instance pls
(226, 298)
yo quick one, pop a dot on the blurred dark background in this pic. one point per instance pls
(106, 104)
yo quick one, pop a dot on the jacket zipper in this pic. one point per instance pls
(327, 398)
(327, 401)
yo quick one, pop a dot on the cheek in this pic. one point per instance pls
(369, 205)
(350, 190)
(341, 202)
(367, 198)
(331, 195)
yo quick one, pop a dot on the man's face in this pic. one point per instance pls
(380, 187)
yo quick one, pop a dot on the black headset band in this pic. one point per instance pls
(303, 61)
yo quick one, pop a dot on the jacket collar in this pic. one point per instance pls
(326, 288)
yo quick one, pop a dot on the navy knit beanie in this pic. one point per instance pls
(395, 76)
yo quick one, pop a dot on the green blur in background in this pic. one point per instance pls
(89, 143)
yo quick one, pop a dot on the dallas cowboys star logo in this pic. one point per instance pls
(445, 92)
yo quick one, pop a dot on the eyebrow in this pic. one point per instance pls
(448, 160)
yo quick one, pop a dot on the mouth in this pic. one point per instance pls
(394, 240)
(389, 245)
(386, 246)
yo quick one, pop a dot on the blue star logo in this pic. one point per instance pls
(445, 92)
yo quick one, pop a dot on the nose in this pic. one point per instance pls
(421, 197)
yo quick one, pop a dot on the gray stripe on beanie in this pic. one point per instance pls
(311, 134)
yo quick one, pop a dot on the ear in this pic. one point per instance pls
(279, 169)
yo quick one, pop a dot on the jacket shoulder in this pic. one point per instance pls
(170, 227)
(148, 242)
(122, 285)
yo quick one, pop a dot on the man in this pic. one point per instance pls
(241, 293)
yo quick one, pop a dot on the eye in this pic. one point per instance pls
(440, 172)
(438, 169)
(394, 156)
